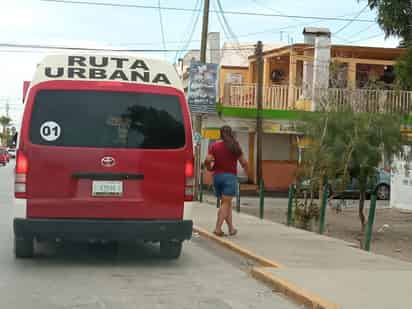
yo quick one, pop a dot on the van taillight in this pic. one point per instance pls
(189, 180)
(189, 168)
(22, 166)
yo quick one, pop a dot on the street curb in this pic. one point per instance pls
(236, 248)
(291, 291)
(299, 295)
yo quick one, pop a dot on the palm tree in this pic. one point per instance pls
(5, 122)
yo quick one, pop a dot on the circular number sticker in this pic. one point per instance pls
(50, 131)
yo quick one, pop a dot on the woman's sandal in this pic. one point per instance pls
(219, 234)
(233, 233)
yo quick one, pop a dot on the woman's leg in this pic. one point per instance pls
(228, 218)
(217, 187)
(219, 221)
(229, 191)
(232, 229)
(227, 187)
(223, 212)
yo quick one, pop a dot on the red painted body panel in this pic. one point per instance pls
(26, 85)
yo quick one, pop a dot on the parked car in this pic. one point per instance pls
(4, 149)
(382, 187)
(12, 152)
(3, 157)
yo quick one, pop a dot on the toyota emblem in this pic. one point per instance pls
(108, 161)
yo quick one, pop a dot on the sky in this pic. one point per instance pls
(78, 25)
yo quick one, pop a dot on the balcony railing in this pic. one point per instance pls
(285, 98)
(367, 100)
(244, 96)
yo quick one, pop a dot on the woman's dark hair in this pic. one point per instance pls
(228, 137)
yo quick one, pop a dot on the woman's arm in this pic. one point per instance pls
(209, 162)
(243, 162)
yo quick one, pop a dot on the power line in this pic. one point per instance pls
(193, 25)
(20, 51)
(222, 26)
(226, 24)
(7, 108)
(274, 10)
(365, 39)
(212, 11)
(266, 7)
(39, 46)
(22, 48)
(357, 33)
(351, 21)
(244, 35)
(162, 29)
(365, 29)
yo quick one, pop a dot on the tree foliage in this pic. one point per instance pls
(394, 17)
(4, 123)
(404, 70)
(345, 144)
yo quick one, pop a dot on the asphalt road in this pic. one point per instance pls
(80, 276)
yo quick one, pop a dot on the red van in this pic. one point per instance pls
(105, 154)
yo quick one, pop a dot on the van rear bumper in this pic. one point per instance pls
(109, 230)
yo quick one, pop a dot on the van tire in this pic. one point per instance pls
(23, 247)
(170, 249)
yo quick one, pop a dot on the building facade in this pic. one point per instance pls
(299, 77)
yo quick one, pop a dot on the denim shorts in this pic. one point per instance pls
(225, 184)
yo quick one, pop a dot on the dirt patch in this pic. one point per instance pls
(392, 234)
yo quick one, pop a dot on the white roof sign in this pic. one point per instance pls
(107, 68)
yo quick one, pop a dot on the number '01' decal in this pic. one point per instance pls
(50, 131)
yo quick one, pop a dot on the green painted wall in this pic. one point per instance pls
(267, 114)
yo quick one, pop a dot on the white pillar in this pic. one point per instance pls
(320, 69)
(213, 48)
(307, 78)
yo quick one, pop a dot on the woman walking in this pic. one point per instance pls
(222, 160)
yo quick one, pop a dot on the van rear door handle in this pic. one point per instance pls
(108, 176)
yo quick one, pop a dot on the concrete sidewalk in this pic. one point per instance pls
(327, 267)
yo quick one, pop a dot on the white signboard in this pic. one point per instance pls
(401, 184)
(234, 78)
(107, 68)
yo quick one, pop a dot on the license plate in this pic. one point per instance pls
(107, 188)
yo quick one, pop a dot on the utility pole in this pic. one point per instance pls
(205, 26)
(198, 120)
(7, 109)
(259, 97)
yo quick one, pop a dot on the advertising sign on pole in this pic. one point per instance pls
(202, 90)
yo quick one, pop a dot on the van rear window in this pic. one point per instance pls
(105, 119)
